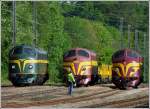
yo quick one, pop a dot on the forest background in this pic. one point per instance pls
(61, 25)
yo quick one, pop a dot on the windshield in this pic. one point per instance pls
(70, 53)
(133, 54)
(17, 51)
(83, 53)
(118, 54)
(29, 52)
(25, 52)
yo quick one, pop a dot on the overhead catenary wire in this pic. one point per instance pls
(136, 40)
(121, 33)
(144, 45)
(14, 23)
(34, 23)
(113, 19)
(18, 16)
(129, 26)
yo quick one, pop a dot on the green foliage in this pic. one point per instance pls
(52, 36)
(81, 32)
(5, 39)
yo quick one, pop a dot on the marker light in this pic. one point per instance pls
(13, 66)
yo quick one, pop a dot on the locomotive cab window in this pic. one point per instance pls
(70, 53)
(29, 52)
(83, 53)
(119, 54)
(133, 54)
(17, 51)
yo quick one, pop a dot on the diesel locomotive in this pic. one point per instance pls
(126, 68)
(27, 66)
(83, 65)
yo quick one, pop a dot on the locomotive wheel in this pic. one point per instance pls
(122, 85)
(40, 83)
(87, 85)
(135, 87)
(18, 85)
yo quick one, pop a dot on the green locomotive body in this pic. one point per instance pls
(27, 66)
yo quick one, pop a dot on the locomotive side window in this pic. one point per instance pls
(70, 53)
(83, 53)
(133, 54)
(119, 54)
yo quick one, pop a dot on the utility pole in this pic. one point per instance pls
(121, 32)
(129, 27)
(136, 40)
(14, 23)
(144, 57)
(34, 23)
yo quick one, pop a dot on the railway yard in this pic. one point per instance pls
(98, 96)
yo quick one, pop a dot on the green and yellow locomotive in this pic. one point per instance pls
(27, 66)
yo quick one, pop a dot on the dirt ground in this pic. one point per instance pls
(98, 96)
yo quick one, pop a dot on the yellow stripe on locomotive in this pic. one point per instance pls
(81, 67)
(122, 70)
(19, 61)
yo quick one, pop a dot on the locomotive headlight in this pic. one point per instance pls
(13, 66)
(30, 66)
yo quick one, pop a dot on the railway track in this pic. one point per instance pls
(122, 103)
(33, 93)
(29, 94)
(67, 99)
(94, 96)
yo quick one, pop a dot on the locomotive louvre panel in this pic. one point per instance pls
(42, 68)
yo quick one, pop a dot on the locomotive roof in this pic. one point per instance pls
(90, 51)
(127, 49)
(127, 54)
